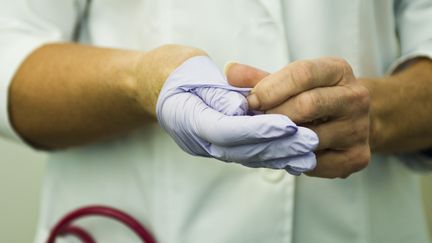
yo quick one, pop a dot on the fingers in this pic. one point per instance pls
(341, 164)
(341, 134)
(219, 129)
(228, 102)
(296, 78)
(339, 115)
(302, 164)
(302, 142)
(241, 75)
(294, 165)
(214, 127)
(316, 104)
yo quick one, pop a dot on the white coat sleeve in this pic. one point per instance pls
(414, 29)
(24, 26)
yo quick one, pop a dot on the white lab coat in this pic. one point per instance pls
(189, 199)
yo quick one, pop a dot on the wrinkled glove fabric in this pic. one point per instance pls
(207, 117)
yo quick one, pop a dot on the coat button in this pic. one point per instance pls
(273, 176)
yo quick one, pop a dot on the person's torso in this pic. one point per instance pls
(189, 199)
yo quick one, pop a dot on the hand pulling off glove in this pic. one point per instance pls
(208, 117)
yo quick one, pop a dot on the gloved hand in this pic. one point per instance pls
(207, 117)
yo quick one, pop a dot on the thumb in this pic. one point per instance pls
(243, 76)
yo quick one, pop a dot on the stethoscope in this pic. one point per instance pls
(64, 227)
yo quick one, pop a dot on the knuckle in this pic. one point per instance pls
(307, 105)
(361, 134)
(301, 73)
(343, 64)
(360, 131)
(360, 158)
(344, 68)
(346, 172)
(363, 97)
(360, 96)
(343, 172)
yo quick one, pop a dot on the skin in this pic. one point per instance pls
(101, 93)
(352, 116)
(88, 93)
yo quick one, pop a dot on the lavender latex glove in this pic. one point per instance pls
(208, 117)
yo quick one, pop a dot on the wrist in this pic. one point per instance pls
(377, 113)
(387, 119)
(152, 69)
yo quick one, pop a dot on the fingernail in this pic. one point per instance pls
(228, 66)
(253, 101)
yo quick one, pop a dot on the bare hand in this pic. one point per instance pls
(321, 94)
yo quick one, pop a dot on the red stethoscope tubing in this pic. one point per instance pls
(64, 227)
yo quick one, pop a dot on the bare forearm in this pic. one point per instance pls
(66, 94)
(401, 109)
